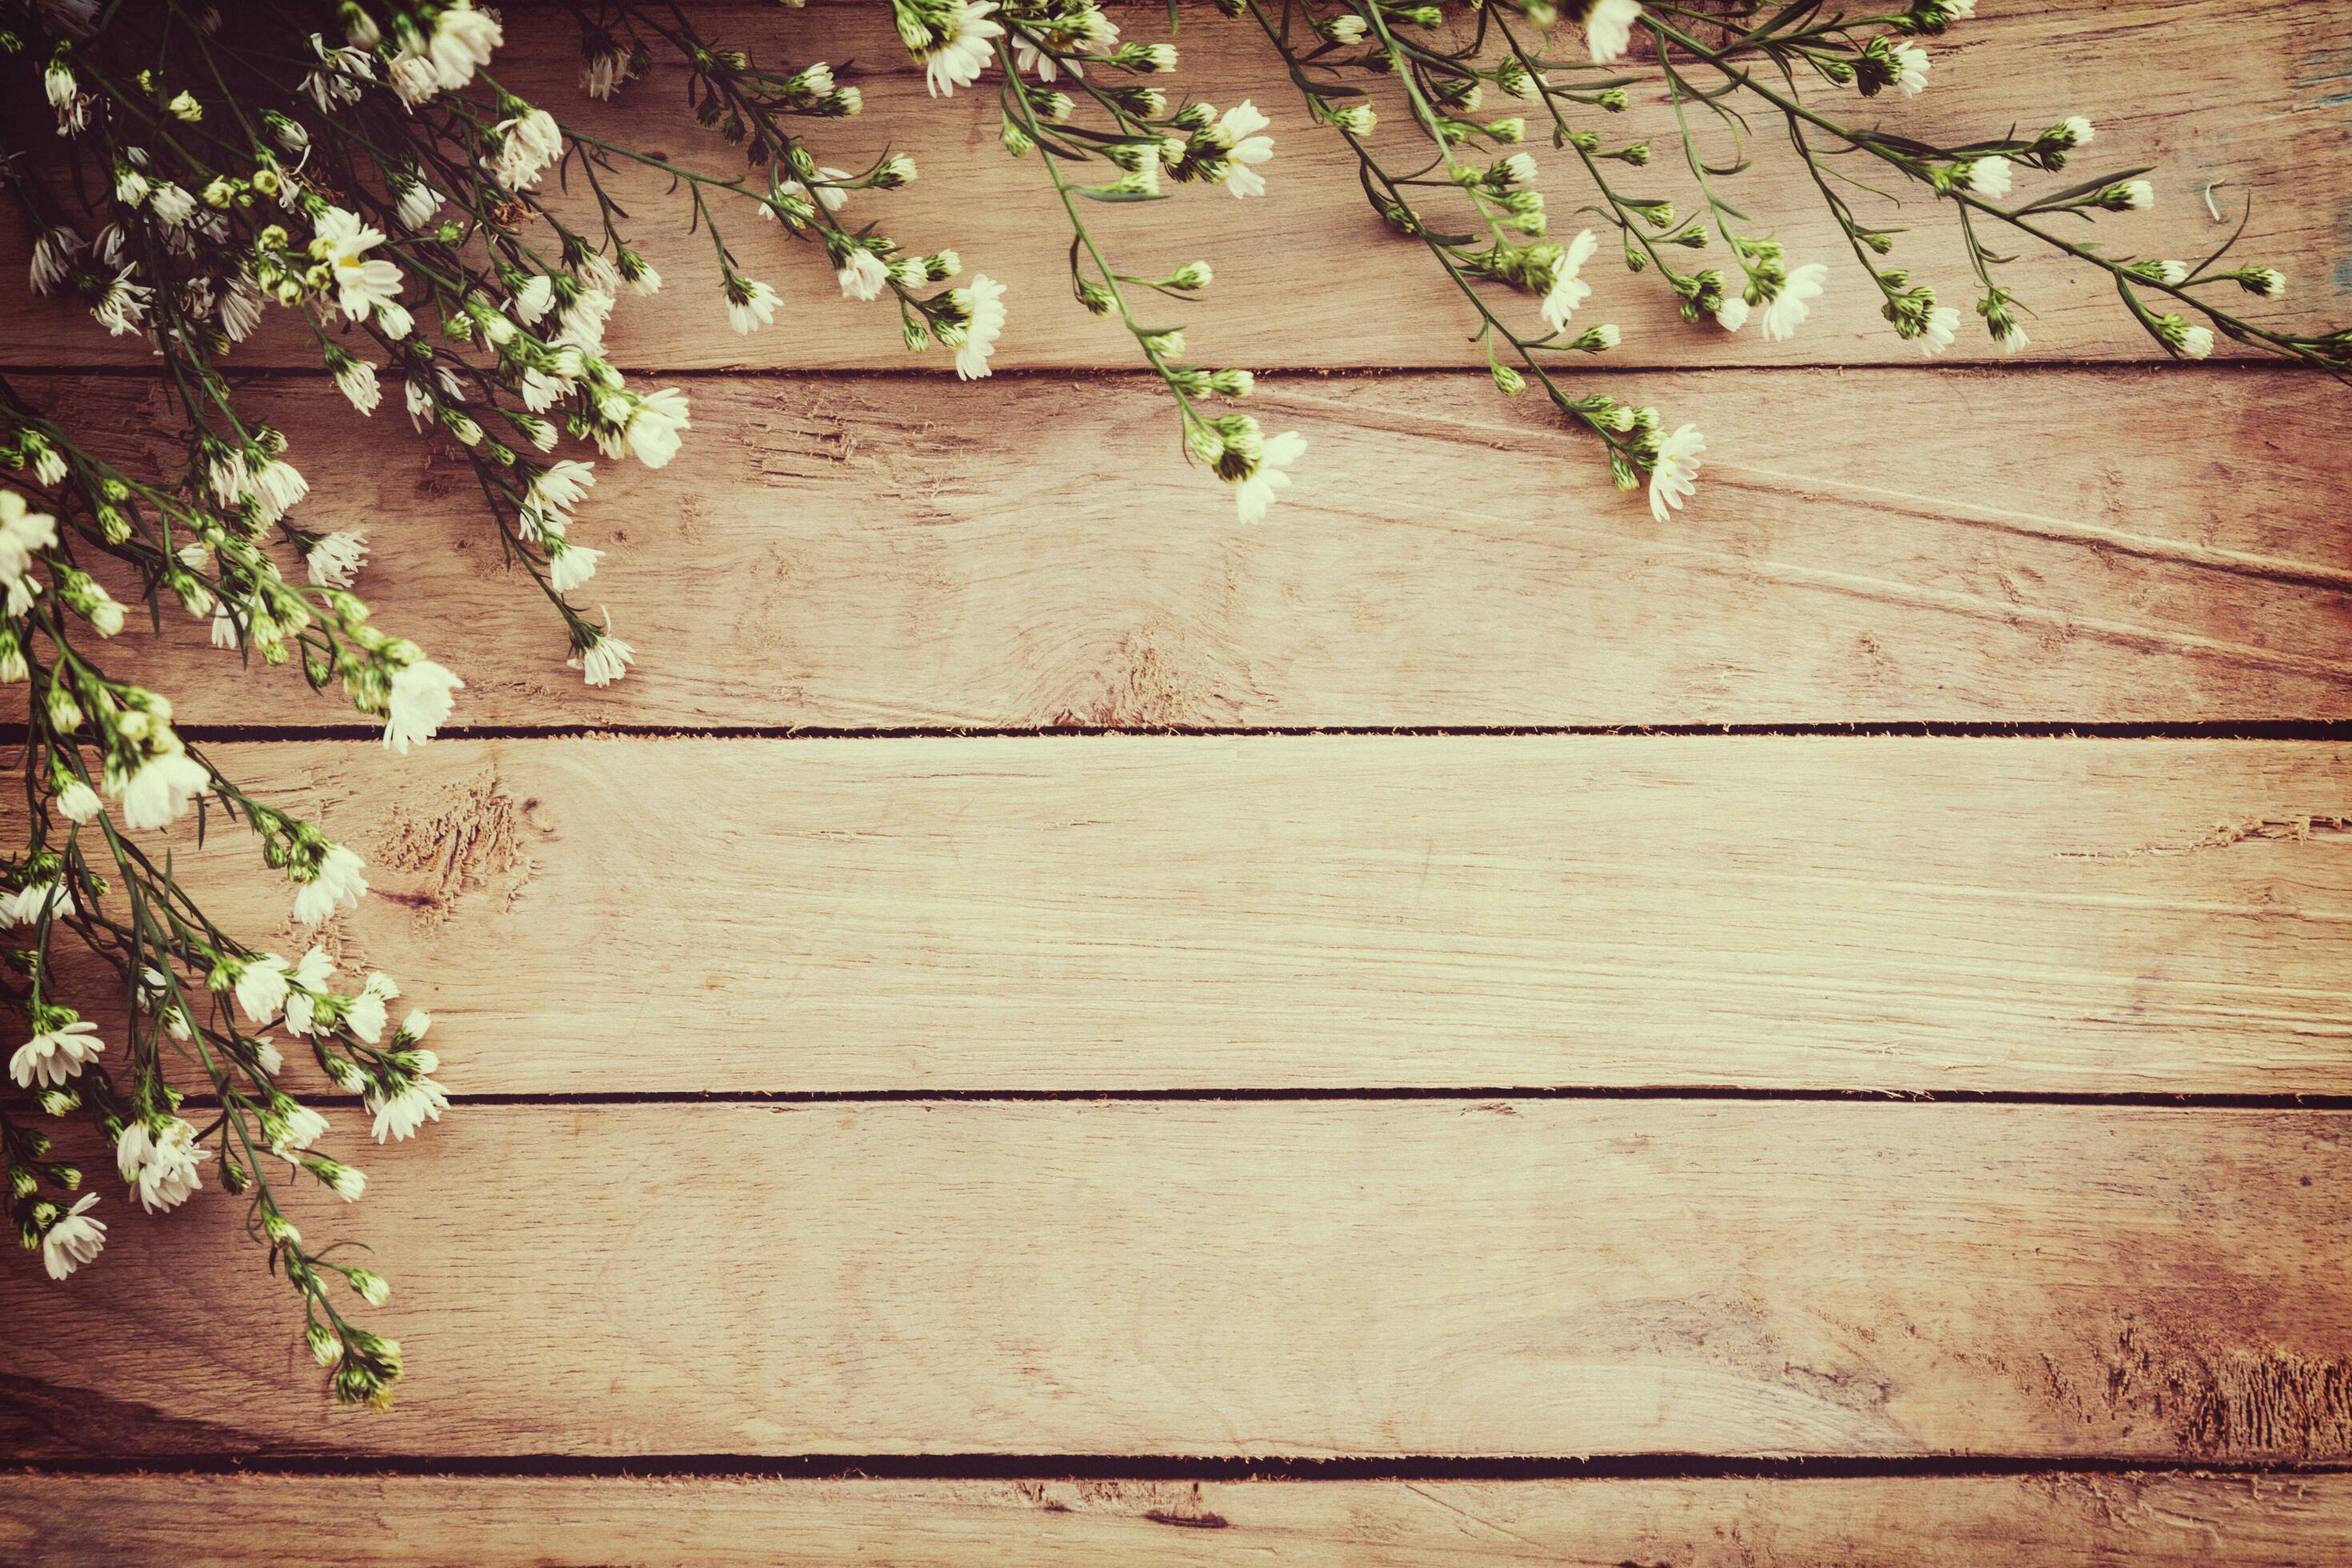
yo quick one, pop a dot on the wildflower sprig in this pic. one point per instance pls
(1139, 142)
(1440, 59)
(383, 193)
(102, 763)
(1637, 446)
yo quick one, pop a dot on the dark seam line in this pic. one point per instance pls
(1113, 1466)
(2189, 1100)
(2330, 730)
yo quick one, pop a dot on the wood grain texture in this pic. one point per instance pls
(1204, 913)
(2168, 1520)
(1253, 1278)
(875, 552)
(2262, 111)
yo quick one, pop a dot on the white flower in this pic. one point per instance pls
(755, 308)
(413, 78)
(463, 41)
(54, 1057)
(1241, 125)
(863, 275)
(261, 989)
(336, 558)
(1942, 325)
(603, 73)
(123, 307)
(2197, 341)
(1567, 290)
(419, 398)
(422, 698)
(79, 802)
(53, 255)
(362, 283)
(163, 1168)
(1609, 29)
(171, 205)
(272, 1060)
(829, 192)
(1253, 495)
(2140, 195)
(568, 565)
(25, 905)
(1911, 64)
(963, 50)
(338, 886)
(534, 299)
(1676, 473)
(1732, 314)
(356, 381)
(58, 84)
(349, 1184)
(557, 490)
(279, 487)
(1988, 175)
(1788, 309)
(604, 660)
(418, 203)
(366, 1016)
(2173, 272)
(157, 794)
(597, 274)
(2079, 131)
(2012, 338)
(22, 532)
(646, 281)
(654, 423)
(986, 302)
(400, 1115)
(240, 306)
(529, 144)
(302, 1127)
(310, 979)
(73, 1240)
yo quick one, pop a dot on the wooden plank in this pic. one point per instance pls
(874, 552)
(2264, 112)
(2167, 1519)
(1262, 1277)
(1138, 912)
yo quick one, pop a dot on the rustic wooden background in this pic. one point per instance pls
(1815, 1033)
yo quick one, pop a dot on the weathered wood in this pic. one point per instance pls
(2262, 111)
(2171, 1520)
(1258, 1277)
(1136, 912)
(875, 552)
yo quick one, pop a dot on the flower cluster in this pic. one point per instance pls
(1712, 73)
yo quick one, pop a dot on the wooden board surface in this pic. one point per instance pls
(1168, 912)
(1252, 1278)
(1933, 1291)
(2263, 112)
(2171, 1520)
(875, 552)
